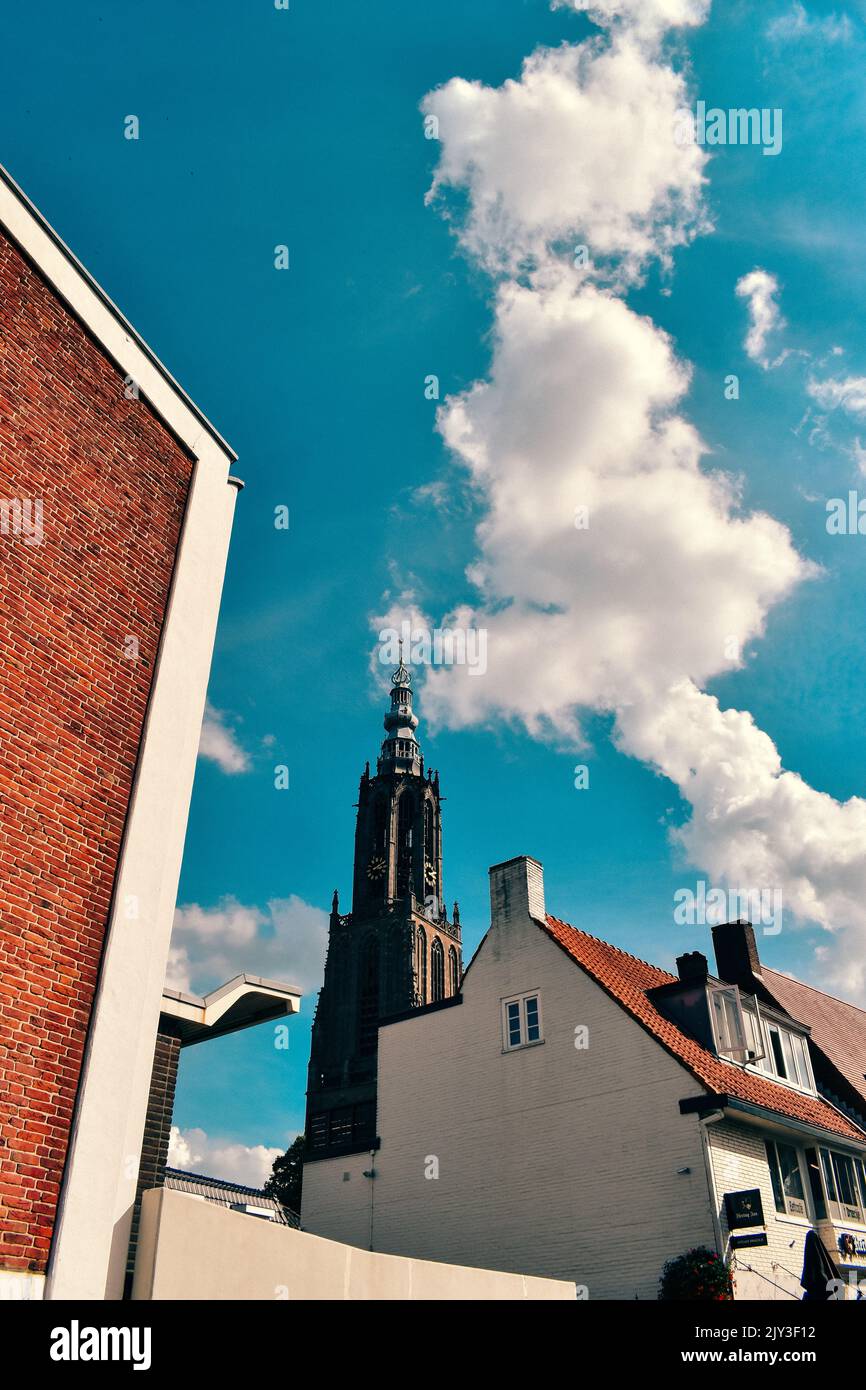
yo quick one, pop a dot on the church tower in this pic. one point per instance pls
(396, 950)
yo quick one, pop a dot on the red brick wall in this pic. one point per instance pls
(113, 485)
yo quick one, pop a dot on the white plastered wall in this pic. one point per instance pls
(551, 1161)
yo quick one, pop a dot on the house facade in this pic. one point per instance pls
(116, 506)
(580, 1114)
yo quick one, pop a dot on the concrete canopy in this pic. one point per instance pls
(240, 1003)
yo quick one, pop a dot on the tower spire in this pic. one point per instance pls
(395, 949)
(400, 749)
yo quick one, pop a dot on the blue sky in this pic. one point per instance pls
(261, 127)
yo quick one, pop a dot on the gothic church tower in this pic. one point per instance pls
(396, 950)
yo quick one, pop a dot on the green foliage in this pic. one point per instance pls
(287, 1176)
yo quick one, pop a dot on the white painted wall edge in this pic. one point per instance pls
(89, 1249)
(60, 267)
(92, 1232)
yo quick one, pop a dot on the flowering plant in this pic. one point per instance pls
(698, 1274)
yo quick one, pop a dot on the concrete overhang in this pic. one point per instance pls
(240, 1003)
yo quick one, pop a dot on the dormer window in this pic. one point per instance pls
(787, 1056)
(742, 1034)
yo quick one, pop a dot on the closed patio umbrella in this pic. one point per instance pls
(820, 1275)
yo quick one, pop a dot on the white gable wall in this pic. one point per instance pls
(551, 1160)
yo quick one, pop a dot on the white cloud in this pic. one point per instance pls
(286, 941)
(196, 1152)
(797, 24)
(580, 151)
(219, 743)
(580, 411)
(755, 824)
(649, 17)
(760, 289)
(672, 578)
(849, 394)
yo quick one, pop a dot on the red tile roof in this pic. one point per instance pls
(627, 980)
(839, 1029)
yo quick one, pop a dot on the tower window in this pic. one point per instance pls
(453, 979)
(437, 970)
(422, 965)
(380, 825)
(405, 817)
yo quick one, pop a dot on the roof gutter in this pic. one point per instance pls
(743, 1110)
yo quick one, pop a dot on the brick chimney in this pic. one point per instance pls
(516, 891)
(737, 959)
(692, 968)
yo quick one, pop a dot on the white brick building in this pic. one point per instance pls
(578, 1113)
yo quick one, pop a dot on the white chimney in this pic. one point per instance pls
(516, 891)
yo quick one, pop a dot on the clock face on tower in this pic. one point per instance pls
(430, 874)
(376, 867)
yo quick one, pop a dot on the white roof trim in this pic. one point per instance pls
(115, 334)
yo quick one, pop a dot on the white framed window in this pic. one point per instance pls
(742, 1033)
(521, 1021)
(844, 1181)
(786, 1057)
(726, 1016)
(786, 1176)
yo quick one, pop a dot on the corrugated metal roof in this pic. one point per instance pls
(230, 1194)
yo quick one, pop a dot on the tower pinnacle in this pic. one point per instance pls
(400, 750)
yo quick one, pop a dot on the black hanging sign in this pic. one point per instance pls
(744, 1208)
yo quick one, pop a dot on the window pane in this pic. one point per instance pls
(778, 1195)
(736, 1036)
(813, 1167)
(727, 1018)
(513, 1024)
(801, 1054)
(861, 1173)
(753, 1032)
(789, 1168)
(788, 1054)
(844, 1172)
(533, 1031)
(777, 1053)
(764, 1061)
(829, 1180)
